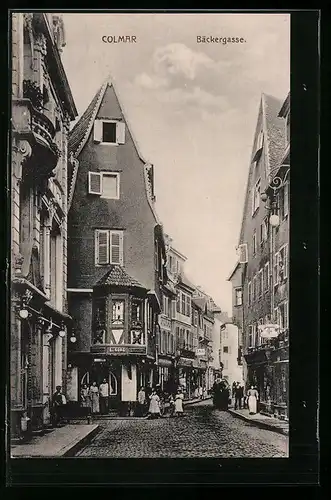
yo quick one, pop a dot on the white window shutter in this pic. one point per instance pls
(120, 133)
(116, 248)
(102, 247)
(94, 183)
(97, 131)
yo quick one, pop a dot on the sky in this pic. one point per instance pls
(193, 109)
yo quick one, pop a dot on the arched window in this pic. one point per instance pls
(85, 379)
(113, 386)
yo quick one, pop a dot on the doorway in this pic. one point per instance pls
(112, 373)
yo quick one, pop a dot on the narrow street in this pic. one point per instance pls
(203, 432)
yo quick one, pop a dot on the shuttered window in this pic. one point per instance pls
(102, 247)
(109, 132)
(105, 184)
(109, 247)
(94, 183)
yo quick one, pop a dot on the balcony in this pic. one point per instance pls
(33, 125)
(186, 350)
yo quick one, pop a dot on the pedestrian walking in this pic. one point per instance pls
(239, 394)
(253, 397)
(154, 405)
(104, 397)
(58, 406)
(94, 396)
(179, 398)
(85, 400)
(200, 391)
(141, 402)
(171, 405)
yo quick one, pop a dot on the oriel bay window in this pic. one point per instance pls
(118, 319)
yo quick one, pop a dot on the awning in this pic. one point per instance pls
(185, 363)
(168, 363)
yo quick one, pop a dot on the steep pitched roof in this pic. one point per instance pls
(117, 276)
(200, 302)
(81, 132)
(274, 140)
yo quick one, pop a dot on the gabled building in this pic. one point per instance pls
(42, 109)
(116, 253)
(261, 279)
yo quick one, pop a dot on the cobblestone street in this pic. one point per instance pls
(202, 432)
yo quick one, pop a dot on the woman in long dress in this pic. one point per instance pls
(253, 397)
(154, 405)
(85, 399)
(179, 410)
(94, 396)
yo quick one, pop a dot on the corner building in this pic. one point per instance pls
(116, 254)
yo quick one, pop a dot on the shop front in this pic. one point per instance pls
(267, 370)
(187, 376)
(166, 375)
(125, 373)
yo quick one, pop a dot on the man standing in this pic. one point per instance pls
(104, 395)
(141, 402)
(239, 394)
(58, 404)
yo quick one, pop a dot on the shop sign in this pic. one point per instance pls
(99, 360)
(269, 331)
(165, 323)
(200, 352)
(185, 362)
(126, 349)
(120, 350)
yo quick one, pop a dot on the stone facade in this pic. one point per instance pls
(262, 277)
(42, 108)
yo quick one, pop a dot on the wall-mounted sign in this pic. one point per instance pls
(269, 331)
(99, 360)
(165, 323)
(119, 350)
(185, 362)
(200, 352)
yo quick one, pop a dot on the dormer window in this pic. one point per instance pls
(109, 132)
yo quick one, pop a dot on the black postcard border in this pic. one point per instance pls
(302, 468)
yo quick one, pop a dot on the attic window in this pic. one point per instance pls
(109, 132)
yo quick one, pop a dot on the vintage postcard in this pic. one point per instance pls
(150, 181)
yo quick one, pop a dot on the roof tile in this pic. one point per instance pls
(117, 276)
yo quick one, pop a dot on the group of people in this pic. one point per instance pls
(96, 398)
(250, 400)
(151, 400)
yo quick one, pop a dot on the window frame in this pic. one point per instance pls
(236, 290)
(256, 196)
(254, 243)
(102, 174)
(249, 292)
(110, 232)
(117, 122)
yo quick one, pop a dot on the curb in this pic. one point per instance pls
(257, 423)
(74, 448)
(195, 401)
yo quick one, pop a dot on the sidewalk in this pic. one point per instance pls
(262, 421)
(61, 442)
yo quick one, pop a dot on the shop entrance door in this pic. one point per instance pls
(113, 376)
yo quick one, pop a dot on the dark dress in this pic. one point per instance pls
(221, 395)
